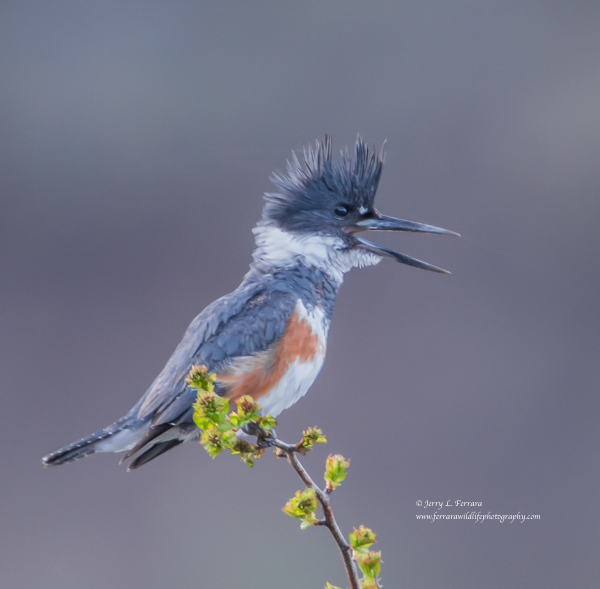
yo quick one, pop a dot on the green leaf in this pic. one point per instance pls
(330, 586)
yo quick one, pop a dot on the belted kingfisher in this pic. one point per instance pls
(267, 338)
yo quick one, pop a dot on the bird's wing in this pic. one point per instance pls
(245, 324)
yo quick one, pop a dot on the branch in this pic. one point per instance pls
(329, 522)
(220, 431)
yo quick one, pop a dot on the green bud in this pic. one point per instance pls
(248, 453)
(268, 423)
(330, 586)
(199, 378)
(235, 421)
(213, 440)
(361, 539)
(368, 583)
(303, 506)
(335, 471)
(247, 411)
(311, 436)
(246, 405)
(210, 409)
(369, 563)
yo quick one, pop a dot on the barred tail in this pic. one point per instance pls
(129, 434)
(79, 449)
(118, 437)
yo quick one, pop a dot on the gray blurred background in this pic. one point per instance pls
(136, 141)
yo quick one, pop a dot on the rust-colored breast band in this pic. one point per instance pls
(298, 343)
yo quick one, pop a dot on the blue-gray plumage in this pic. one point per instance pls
(268, 337)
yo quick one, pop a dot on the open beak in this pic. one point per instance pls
(384, 223)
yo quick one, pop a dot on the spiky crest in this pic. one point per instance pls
(315, 180)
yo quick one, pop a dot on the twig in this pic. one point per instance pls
(329, 522)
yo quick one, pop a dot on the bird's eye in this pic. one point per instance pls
(341, 211)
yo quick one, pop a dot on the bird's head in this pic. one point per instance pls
(321, 206)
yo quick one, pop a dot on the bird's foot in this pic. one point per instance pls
(264, 439)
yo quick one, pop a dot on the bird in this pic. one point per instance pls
(268, 337)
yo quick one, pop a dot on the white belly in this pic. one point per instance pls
(300, 375)
(294, 384)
